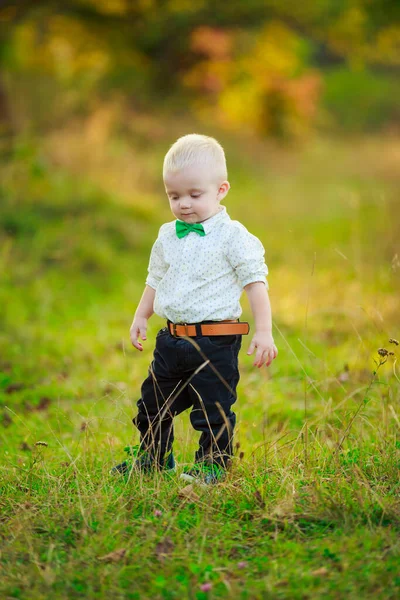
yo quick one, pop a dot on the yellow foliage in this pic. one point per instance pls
(262, 88)
(112, 7)
(176, 6)
(346, 34)
(275, 53)
(241, 104)
(387, 46)
(146, 4)
(65, 48)
(350, 36)
(209, 76)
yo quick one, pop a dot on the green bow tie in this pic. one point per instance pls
(183, 228)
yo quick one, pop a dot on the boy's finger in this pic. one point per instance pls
(134, 340)
(251, 348)
(270, 357)
(265, 359)
(143, 334)
(273, 353)
(257, 360)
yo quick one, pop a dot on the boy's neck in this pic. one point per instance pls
(208, 218)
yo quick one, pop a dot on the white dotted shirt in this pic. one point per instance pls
(201, 278)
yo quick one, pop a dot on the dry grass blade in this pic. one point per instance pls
(321, 572)
(114, 556)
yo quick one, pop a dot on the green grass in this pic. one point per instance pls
(311, 507)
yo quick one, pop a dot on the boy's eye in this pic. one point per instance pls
(191, 195)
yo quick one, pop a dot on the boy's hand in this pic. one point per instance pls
(138, 328)
(266, 349)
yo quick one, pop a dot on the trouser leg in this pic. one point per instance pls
(212, 399)
(163, 396)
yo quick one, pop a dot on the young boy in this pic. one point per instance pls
(199, 266)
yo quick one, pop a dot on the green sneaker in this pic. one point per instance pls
(142, 462)
(204, 474)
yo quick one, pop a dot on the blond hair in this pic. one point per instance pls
(196, 149)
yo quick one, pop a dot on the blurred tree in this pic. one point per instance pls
(255, 63)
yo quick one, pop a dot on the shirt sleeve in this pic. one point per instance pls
(157, 265)
(246, 256)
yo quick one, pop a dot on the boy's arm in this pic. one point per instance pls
(262, 339)
(156, 271)
(245, 253)
(143, 312)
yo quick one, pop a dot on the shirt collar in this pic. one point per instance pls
(221, 216)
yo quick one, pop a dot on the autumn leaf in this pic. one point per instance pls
(188, 493)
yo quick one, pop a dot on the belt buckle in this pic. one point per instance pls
(174, 333)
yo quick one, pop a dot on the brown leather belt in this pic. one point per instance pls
(216, 328)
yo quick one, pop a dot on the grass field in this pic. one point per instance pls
(311, 507)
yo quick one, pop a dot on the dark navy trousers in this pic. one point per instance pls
(178, 380)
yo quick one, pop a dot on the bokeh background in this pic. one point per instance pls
(305, 99)
(272, 69)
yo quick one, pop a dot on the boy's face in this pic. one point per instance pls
(194, 193)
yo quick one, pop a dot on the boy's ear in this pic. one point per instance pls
(223, 189)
